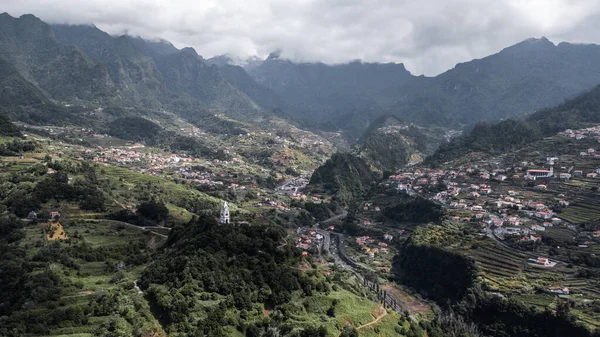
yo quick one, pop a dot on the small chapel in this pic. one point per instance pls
(224, 217)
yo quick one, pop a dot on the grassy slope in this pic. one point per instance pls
(93, 277)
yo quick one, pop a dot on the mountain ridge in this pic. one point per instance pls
(82, 65)
(95, 68)
(518, 80)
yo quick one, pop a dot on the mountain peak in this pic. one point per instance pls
(541, 40)
(533, 43)
(29, 17)
(189, 50)
(220, 60)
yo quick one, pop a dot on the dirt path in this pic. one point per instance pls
(376, 320)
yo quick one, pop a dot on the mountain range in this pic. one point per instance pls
(48, 72)
(81, 65)
(520, 79)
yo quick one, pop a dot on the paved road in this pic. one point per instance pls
(337, 217)
(326, 243)
(344, 261)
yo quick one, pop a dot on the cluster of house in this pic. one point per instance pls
(393, 129)
(372, 247)
(203, 176)
(368, 206)
(191, 131)
(200, 177)
(271, 203)
(307, 238)
(152, 161)
(494, 209)
(54, 216)
(301, 138)
(593, 132)
(293, 186)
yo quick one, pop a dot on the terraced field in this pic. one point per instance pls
(559, 233)
(171, 192)
(497, 262)
(582, 211)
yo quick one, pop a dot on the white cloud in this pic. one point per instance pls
(428, 36)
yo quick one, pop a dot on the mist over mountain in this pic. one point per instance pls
(518, 80)
(62, 65)
(68, 65)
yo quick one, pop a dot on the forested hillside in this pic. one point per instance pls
(344, 175)
(512, 134)
(387, 152)
(426, 267)
(21, 100)
(488, 138)
(82, 66)
(318, 93)
(212, 276)
(7, 128)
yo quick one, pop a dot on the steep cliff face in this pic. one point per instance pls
(63, 72)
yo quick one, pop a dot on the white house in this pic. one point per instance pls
(564, 176)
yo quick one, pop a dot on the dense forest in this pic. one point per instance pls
(345, 175)
(7, 128)
(416, 210)
(20, 196)
(135, 129)
(501, 317)
(33, 286)
(488, 138)
(387, 152)
(236, 267)
(495, 138)
(435, 272)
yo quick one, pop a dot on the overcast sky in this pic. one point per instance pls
(428, 36)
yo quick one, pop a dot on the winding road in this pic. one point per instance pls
(344, 261)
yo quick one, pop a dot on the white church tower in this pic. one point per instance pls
(224, 218)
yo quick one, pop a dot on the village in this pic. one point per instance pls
(522, 199)
(517, 200)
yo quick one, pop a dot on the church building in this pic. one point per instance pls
(224, 218)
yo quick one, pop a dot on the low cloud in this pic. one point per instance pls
(427, 36)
